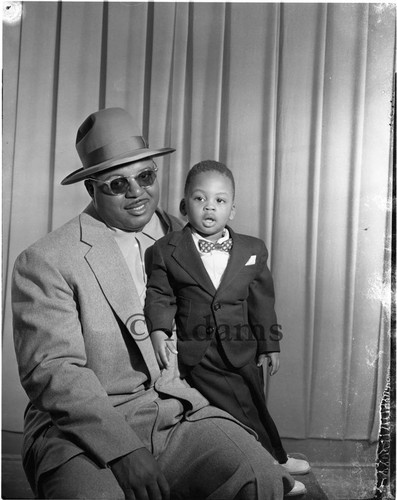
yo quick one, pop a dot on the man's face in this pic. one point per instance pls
(130, 211)
(209, 204)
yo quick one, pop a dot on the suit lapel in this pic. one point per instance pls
(111, 271)
(188, 258)
(238, 258)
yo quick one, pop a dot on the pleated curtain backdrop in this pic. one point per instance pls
(295, 99)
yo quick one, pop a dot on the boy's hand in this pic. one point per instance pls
(273, 363)
(162, 346)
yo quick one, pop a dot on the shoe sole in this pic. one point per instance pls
(298, 473)
(295, 494)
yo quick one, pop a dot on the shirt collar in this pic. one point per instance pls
(197, 237)
(153, 229)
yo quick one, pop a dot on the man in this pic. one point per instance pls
(103, 421)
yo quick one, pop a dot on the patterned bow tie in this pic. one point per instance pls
(207, 246)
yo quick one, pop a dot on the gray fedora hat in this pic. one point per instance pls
(106, 139)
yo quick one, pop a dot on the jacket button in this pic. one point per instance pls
(210, 330)
(217, 306)
(222, 330)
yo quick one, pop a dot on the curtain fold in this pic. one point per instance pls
(295, 99)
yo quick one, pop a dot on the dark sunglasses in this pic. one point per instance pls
(120, 184)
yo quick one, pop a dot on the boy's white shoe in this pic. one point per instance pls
(298, 489)
(296, 466)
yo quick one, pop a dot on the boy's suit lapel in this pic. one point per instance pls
(111, 271)
(238, 258)
(188, 258)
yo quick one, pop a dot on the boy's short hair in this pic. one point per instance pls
(209, 166)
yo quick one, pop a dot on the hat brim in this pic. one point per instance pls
(137, 155)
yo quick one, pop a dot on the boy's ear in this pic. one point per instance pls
(90, 188)
(182, 207)
(232, 212)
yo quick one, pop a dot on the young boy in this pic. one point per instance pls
(216, 284)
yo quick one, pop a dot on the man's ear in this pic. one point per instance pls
(232, 212)
(182, 207)
(90, 188)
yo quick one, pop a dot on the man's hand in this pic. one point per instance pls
(274, 361)
(162, 346)
(140, 476)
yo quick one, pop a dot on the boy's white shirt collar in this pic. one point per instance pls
(215, 262)
(196, 237)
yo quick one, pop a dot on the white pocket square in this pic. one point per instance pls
(251, 260)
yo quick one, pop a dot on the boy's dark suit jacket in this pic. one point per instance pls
(241, 310)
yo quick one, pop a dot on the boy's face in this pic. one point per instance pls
(209, 204)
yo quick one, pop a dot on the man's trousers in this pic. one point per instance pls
(212, 458)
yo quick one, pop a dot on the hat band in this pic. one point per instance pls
(113, 150)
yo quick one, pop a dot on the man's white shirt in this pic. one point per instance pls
(133, 246)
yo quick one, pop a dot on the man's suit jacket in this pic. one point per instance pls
(85, 358)
(241, 310)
